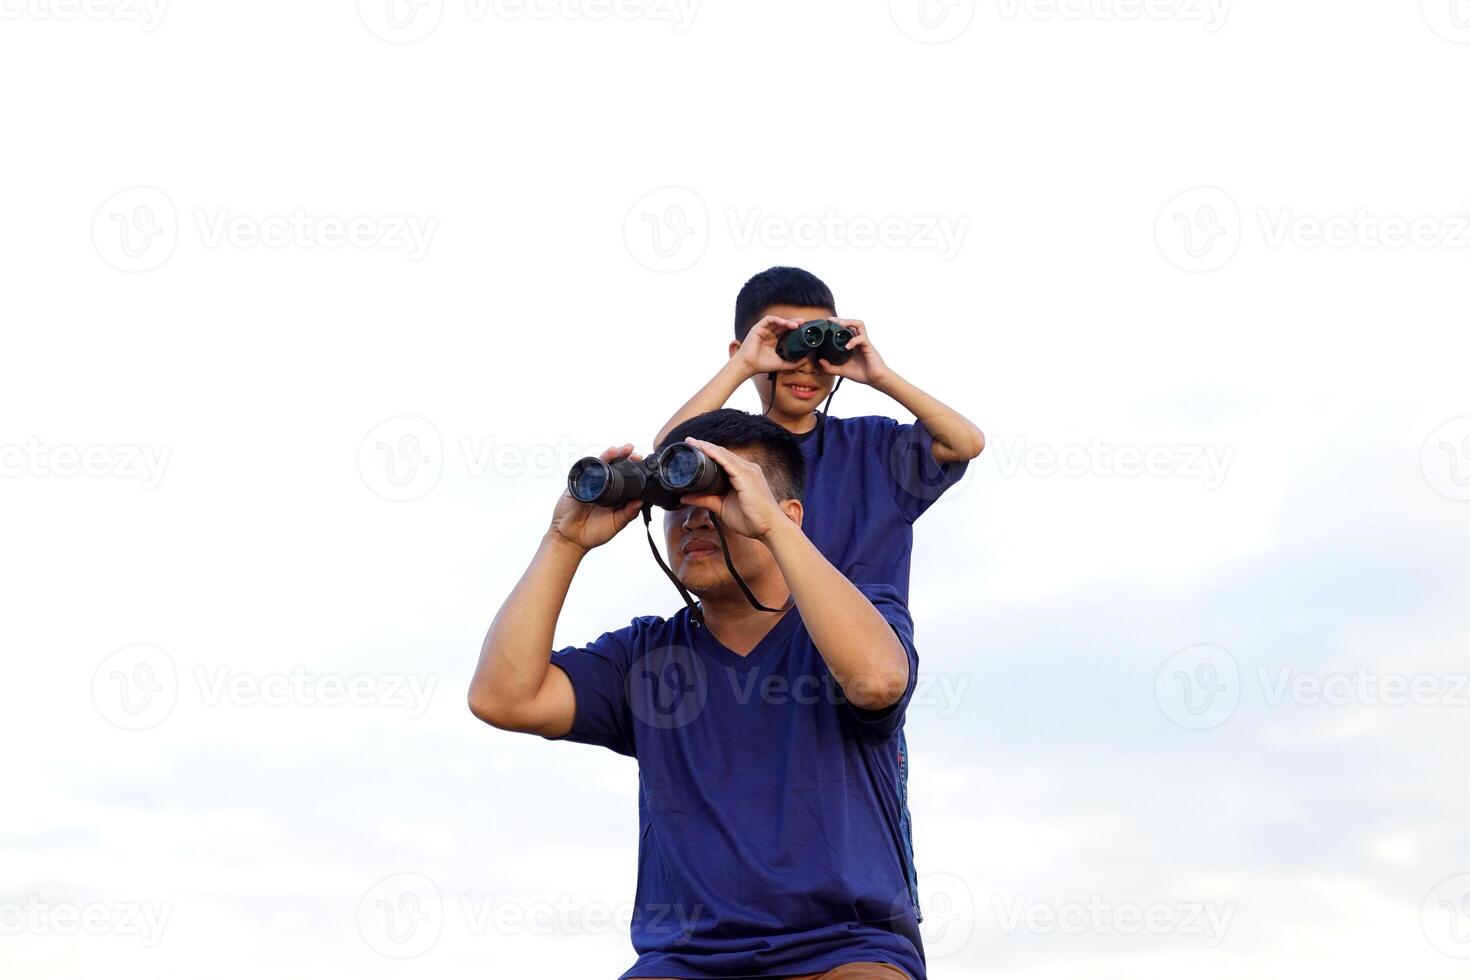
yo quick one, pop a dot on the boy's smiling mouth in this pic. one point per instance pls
(802, 390)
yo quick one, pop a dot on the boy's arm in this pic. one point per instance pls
(514, 686)
(756, 355)
(955, 438)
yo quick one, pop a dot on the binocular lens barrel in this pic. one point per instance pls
(684, 469)
(589, 479)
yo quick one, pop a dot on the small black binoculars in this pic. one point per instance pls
(659, 480)
(816, 339)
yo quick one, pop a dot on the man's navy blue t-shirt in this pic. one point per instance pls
(867, 480)
(769, 815)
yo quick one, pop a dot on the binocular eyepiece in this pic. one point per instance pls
(816, 339)
(661, 480)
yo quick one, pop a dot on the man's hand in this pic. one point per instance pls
(585, 526)
(749, 508)
(866, 365)
(758, 352)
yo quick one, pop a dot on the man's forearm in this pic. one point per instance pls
(856, 642)
(712, 396)
(956, 438)
(517, 651)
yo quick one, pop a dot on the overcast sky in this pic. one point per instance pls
(307, 310)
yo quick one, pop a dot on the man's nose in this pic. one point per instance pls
(697, 518)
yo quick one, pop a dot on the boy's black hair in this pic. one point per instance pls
(777, 451)
(780, 285)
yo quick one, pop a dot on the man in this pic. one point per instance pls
(770, 842)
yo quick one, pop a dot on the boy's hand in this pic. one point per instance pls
(758, 352)
(866, 365)
(585, 526)
(749, 508)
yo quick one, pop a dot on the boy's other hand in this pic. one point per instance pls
(585, 526)
(866, 365)
(758, 352)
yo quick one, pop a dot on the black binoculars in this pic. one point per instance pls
(816, 339)
(659, 480)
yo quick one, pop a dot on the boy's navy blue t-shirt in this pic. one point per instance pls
(770, 839)
(867, 480)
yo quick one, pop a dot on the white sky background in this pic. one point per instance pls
(1063, 772)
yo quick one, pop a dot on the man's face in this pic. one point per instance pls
(695, 556)
(800, 389)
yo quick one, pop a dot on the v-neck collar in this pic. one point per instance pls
(707, 643)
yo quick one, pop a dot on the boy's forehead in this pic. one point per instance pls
(802, 313)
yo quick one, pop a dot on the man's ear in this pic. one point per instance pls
(793, 510)
(734, 346)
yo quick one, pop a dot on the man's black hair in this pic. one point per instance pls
(781, 285)
(776, 450)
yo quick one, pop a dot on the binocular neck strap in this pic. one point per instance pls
(695, 613)
(725, 547)
(826, 410)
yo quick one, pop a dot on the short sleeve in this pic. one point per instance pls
(599, 675)
(880, 726)
(918, 478)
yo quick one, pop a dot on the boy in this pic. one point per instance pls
(868, 478)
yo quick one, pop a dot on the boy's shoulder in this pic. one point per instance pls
(864, 425)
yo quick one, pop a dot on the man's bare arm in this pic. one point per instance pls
(856, 642)
(514, 686)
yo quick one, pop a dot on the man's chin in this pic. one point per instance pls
(703, 578)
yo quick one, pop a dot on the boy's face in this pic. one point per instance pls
(800, 388)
